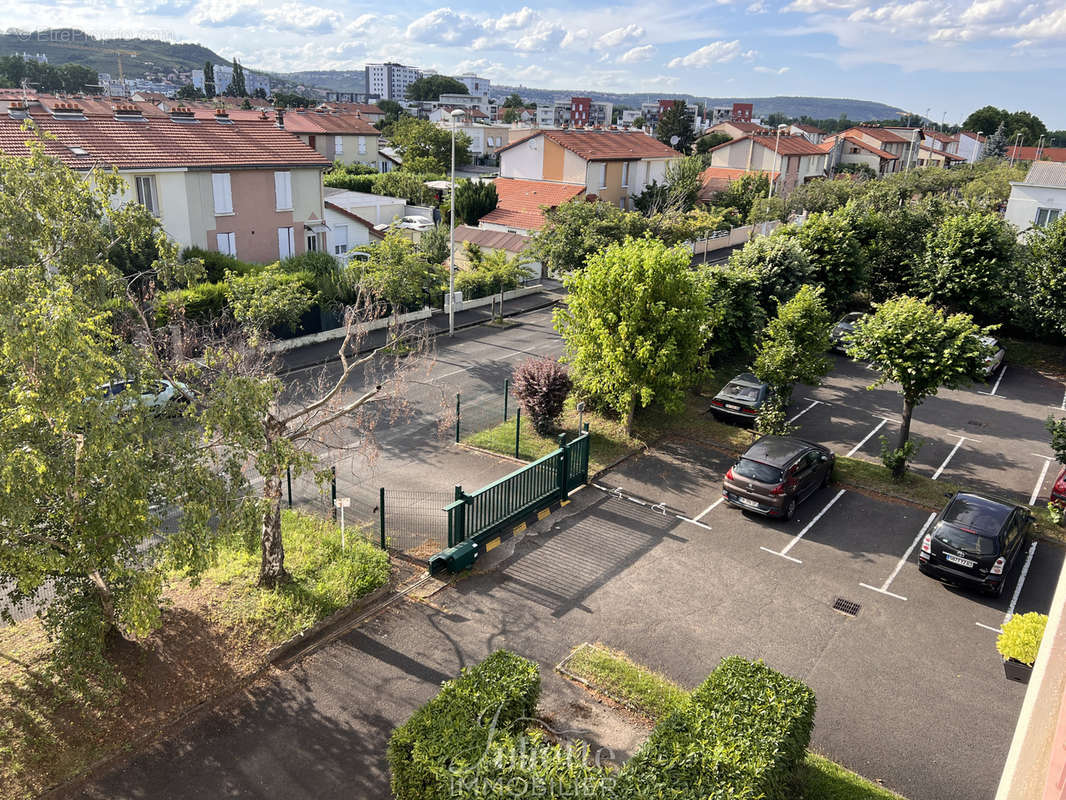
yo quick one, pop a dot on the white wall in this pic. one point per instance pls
(524, 160)
(1026, 198)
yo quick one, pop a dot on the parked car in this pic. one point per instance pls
(160, 396)
(776, 474)
(414, 223)
(740, 399)
(974, 541)
(842, 330)
(992, 362)
(1058, 490)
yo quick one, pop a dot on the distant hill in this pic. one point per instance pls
(814, 107)
(341, 80)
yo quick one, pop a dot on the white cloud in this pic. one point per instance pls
(249, 14)
(515, 20)
(758, 7)
(772, 71)
(619, 36)
(718, 52)
(819, 6)
(443, 25)
(637, 54)
(575, 38)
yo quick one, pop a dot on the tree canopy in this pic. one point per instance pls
(423, 144)
(990, 118)
(676, 121)
(431, 87)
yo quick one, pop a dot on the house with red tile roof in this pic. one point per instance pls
(243, 187)
(344, 136)
(901, 144)
(613, 166)
(850, 149)
(809, 132)
(737, 130)
(521, 203)
(792, 160)
(717, 179)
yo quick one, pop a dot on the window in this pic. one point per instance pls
(223, 194)
(311, 141)
(603, 176)
(286, 244)
(146, 193)
(340, 239)
(312, 243)
(338, 145)
(1045, 216)
(625, 173)
(283, 191)
(227, 243)
(362, 145)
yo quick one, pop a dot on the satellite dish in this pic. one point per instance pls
(674, 140)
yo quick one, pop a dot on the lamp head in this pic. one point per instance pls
(455, 113)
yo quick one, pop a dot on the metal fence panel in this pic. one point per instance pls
(416, 525)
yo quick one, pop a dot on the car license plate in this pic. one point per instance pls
(962, 562)
(745, 501)
(732, 407)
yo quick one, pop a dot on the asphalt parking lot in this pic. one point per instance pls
(911, 689)
(988, 436)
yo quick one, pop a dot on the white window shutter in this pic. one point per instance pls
(338, 144)
(362, 145)
(283, 190)
(223, 194)
(285, 243)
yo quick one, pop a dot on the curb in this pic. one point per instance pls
(486, 452)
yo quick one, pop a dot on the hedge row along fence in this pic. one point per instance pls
(741, 734)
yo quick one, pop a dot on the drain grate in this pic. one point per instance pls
(848, 607)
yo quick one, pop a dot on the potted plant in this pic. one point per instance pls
(1019, 643)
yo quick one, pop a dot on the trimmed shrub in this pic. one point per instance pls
(216, 264)
(202, 303)
(541, 386)
(1021, 637)
(451, 731)
(346, 180)
(742, 735)
(314, 261)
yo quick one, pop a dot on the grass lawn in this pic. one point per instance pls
(608, 440)
(614, 675)
(1038, 355)
(213, 635)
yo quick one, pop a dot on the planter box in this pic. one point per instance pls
(1017, 671)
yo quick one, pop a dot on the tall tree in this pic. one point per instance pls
(473, 200)
(635, 325)
(922, 349)
(996, 144)
(574, 231)
(777, 264)
(431, 87)
(419, 138)
(209, 79)
(676, 121)
(836, 256)
(1044, 292)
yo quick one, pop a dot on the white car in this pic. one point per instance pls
(413, 223)
(160, 396)
(994, 361)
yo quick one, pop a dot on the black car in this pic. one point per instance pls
(776, 474)
(974, 541)
(838, 336)
(741, 399)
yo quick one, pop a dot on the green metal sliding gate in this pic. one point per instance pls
(479, 515)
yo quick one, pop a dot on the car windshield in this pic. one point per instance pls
(965, 539)
(742, 392)
(754, 470)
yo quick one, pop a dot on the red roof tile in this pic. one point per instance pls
(162, 143)
(883, 136)
(604, 145)
(1029, 153)
(743, 127)
(717, 179)
(855, 140)
(317, 122)
(494, 240)
(808, 128)
(519, 202)
(362, 108)
(947, 156)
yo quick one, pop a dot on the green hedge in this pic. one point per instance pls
(216, 264)
(202, 302)
(452, 729)
(742, 735)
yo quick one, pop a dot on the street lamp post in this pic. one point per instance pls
(1014, 148)
(777, 146)
(455, 114)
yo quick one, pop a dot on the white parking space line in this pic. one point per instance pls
(995, 387)
(1017, 592)
(903, 560)
(954, 450)
(1063, 406)
(709, 508)
(784, 551)
(1040, 481)
(804, 411)
(867, 438)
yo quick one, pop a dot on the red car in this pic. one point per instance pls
(1058, 491)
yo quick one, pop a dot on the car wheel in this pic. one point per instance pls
(790, 509)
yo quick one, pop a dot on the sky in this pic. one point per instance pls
(941, 58)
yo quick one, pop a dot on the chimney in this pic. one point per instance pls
(17, 110)
(182, 114)
(279, 112)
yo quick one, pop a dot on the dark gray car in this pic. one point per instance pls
(740, 399)
(776, 474)
(839, 334)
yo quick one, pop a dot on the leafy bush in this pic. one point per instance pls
(896, 459)
(314, 261)
(452, 729)
(541, 386)
(201, 303)
(742, 735)
(217, 264)
(346, 180)
(270, 298)
(1020, 639)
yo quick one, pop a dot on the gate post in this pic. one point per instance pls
(457, 409)
(564, 462)
(381, 515)
(457, 518)
(517, 429)
(506, 386)
(333, 493)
